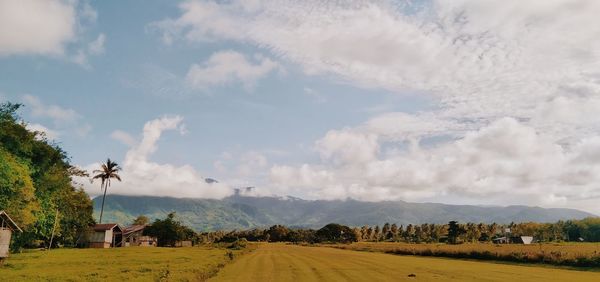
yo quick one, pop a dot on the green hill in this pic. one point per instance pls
(239, 212)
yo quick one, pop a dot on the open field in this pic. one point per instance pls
(120, 264)
(268, 262)
(280, 262)
(571, 254)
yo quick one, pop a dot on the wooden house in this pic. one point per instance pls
(134, 236)
(7, 227)
(107, 235)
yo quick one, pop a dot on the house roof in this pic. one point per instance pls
(107, 226)
(8, 221)
(133, 228)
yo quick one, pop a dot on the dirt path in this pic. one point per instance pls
(279, 262)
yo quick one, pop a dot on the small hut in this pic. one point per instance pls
(526, 240)
(107, 235)
(134, 236)
(7, 227)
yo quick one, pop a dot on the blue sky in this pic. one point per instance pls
(396, 100)
(116, 91)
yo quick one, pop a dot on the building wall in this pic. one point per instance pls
(100, 245)
(108, 237)
(99, 237)
(5, 235)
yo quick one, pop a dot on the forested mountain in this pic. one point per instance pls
(239, 212)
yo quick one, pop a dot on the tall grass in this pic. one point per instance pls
(566, 254)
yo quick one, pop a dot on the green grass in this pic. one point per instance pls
(280, 262)
(119, 264)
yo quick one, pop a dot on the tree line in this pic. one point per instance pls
(587, 229)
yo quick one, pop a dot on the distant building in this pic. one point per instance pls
(7, 227)
(134, 236)
(523, 240)
(107, 235)
(514, 240)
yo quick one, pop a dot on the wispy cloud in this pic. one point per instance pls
(228, 67)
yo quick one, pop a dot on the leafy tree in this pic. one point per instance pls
(277, 233)
(454, 232)
(337, 233)
(410, 233)
(17, 194)
(301, 235)
(385, 230)
(107, 171)
(141, 220)
(168, 231)
(393, 232)
(36, 185)
(377, 233)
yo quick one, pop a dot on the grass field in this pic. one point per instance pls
(263, 262)
(280, 262)
(570, 254)
(120, 264)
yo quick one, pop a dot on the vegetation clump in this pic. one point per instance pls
(169, 231)
(37, 186)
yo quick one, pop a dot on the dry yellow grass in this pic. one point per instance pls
(573, 254)
(280, 262)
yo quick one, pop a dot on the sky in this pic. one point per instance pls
(461, 102)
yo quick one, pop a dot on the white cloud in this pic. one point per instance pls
(49, 28)
(226, 67)
(63, 119)
(96, 47)
(481, 60)
(243, 168)
(36, 26)
(58, 114)
(50, 134)
(123, 137)
(517, 86)
(141, 176)
(505, 162)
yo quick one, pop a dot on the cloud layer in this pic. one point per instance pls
(517, 86)
(141, 176)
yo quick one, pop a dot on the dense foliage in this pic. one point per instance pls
(587, 230)
(36, 187)
(169, 231)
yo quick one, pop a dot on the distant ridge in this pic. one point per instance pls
(240, 212)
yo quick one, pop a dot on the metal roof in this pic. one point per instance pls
(7, 220)
(133, 228)
(107, 226)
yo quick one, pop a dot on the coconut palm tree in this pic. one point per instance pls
(107, 171)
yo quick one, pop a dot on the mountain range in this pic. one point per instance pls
(242, 212)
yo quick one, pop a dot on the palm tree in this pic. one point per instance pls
(105, 173)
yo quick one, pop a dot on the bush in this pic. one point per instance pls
(238, 244)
